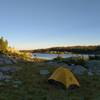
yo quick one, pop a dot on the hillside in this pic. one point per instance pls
(9, 55)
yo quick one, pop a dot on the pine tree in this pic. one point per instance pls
(3, 44)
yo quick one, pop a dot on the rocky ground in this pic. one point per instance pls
(28, 81)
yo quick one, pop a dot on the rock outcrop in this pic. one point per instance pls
(4, 59)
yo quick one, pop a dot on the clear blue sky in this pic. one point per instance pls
(30, 24)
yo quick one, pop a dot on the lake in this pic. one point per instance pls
(52, 56)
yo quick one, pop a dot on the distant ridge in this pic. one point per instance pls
(91, 49)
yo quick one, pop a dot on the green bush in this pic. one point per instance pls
(58, 59)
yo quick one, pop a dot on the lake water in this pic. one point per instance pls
(52, 56)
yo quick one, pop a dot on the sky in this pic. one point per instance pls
(32, 24)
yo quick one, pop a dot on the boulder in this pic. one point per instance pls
(4, 77)
(77, 69)
(5, 59)
(94, 66)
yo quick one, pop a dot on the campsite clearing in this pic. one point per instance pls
(29, 84)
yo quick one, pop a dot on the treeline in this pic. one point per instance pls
(73, 49)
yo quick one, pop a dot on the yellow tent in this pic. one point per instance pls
(65, 77)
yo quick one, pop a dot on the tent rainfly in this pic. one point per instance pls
(65, 77)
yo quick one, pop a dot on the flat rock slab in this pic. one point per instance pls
(44, 72)
(9, 69)
(5, 77)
